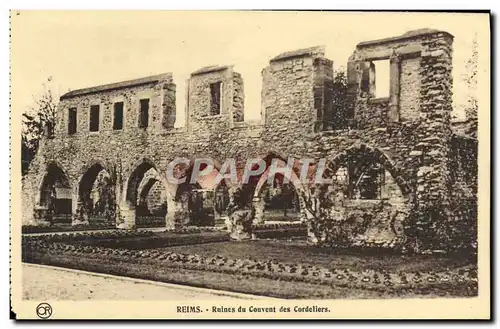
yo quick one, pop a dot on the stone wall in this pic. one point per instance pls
(408, 133)
(434, 134)
(410, 86)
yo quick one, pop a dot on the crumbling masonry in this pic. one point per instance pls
(396, 160)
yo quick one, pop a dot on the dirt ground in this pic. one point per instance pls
(41, 283)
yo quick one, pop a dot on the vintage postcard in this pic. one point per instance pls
(250, 165)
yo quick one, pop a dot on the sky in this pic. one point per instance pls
(80, 49)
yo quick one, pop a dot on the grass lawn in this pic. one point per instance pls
(297, 251)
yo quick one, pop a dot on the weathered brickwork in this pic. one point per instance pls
(409, 83)
(407, 134)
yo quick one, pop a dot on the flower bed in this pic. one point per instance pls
(80, 236)
(197, 229)
(462, 280)
(134, 239)
(27, 229)
(276, 226)
(150, 221)
(279, 230)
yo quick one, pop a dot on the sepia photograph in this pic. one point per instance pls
(250, 164)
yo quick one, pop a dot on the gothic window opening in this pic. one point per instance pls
(72, 121)
(96, 195)
(215, 98)
(94, 118)
(118, 116)
(144, 113)
(55, 194)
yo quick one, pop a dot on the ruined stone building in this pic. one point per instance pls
(401, 149)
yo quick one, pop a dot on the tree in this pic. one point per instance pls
(470, 79)
(339, 99)
(37, 121)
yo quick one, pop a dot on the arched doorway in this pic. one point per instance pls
(152, 207)
(205, 199)
(198, 202)
(280, 200)
(366, 173)
(369, 197)
(96, 196)
(56, 195)
(144, 183)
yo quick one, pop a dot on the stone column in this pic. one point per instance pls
(258, 204)
(80, 215)
(178, 217)
(241, 224)
(127, 214)
(352, 87)
(393, 113)
(434, 135)
(323, 88)
(42, 216)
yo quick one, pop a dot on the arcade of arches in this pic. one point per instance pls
(384, 155)
(360, 177)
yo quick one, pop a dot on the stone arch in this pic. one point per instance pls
(96, 197)
(134, 178)
(206, 181)
(146, 188)
(250, 192)
(287, 201)
(255, 183)
(130, 191)
(198, 198)
(152, 200)
(56, 168)
(377, 220)
(54, 197)
(374, 153)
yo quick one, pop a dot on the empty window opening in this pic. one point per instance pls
(72, 121)
(144, 113)
(215, 98)
(94, 118)
(382, 77)
(118, 116)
